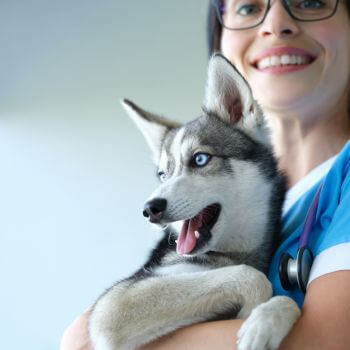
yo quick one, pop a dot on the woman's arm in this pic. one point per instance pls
(325, 319)
(323, 325)
(218, 335)
(210, 335)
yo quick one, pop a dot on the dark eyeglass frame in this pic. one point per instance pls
(220, 8)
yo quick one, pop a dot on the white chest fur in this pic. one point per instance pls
(179, 268)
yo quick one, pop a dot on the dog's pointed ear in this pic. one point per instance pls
(227, 94)
(153, 127)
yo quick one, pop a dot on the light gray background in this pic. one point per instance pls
(74, 171)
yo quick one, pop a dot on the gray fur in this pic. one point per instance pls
(223, 275)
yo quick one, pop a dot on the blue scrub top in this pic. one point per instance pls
(332, 222)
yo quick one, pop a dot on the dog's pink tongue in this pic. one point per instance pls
(187, 239)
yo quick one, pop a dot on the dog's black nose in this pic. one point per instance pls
(154, 209)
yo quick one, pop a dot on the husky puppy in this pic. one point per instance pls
(219, 202)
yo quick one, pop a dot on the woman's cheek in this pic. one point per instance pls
(232, 47)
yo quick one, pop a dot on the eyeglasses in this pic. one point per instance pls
(245, 14)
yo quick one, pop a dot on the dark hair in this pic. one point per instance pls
(214, 28)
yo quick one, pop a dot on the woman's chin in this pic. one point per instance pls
(282, 96)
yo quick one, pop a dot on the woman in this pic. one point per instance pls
(296, 57)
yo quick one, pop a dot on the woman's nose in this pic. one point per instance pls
(278, 22)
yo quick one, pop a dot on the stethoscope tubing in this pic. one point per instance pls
(310, 219)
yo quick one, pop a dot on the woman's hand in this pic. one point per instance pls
(76, 335)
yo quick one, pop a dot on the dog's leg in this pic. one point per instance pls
(134, 313)
(268, 324)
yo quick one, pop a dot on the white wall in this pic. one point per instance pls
(74, 171)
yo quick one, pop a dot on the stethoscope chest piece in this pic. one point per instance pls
(295, 272)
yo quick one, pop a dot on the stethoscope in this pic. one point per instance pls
(294, 273)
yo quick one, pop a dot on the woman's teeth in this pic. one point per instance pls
(284, 60)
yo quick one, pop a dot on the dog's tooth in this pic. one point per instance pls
(197, 234)
(176, 241)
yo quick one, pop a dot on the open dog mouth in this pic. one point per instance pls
(195, 231)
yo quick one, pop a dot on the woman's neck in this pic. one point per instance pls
(300, 146)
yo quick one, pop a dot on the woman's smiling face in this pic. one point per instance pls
(289, 63)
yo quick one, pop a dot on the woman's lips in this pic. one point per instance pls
(282, 60)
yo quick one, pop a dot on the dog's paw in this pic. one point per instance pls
(268, 324)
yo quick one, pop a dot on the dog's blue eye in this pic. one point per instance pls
(201, 159)
(162, 176)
